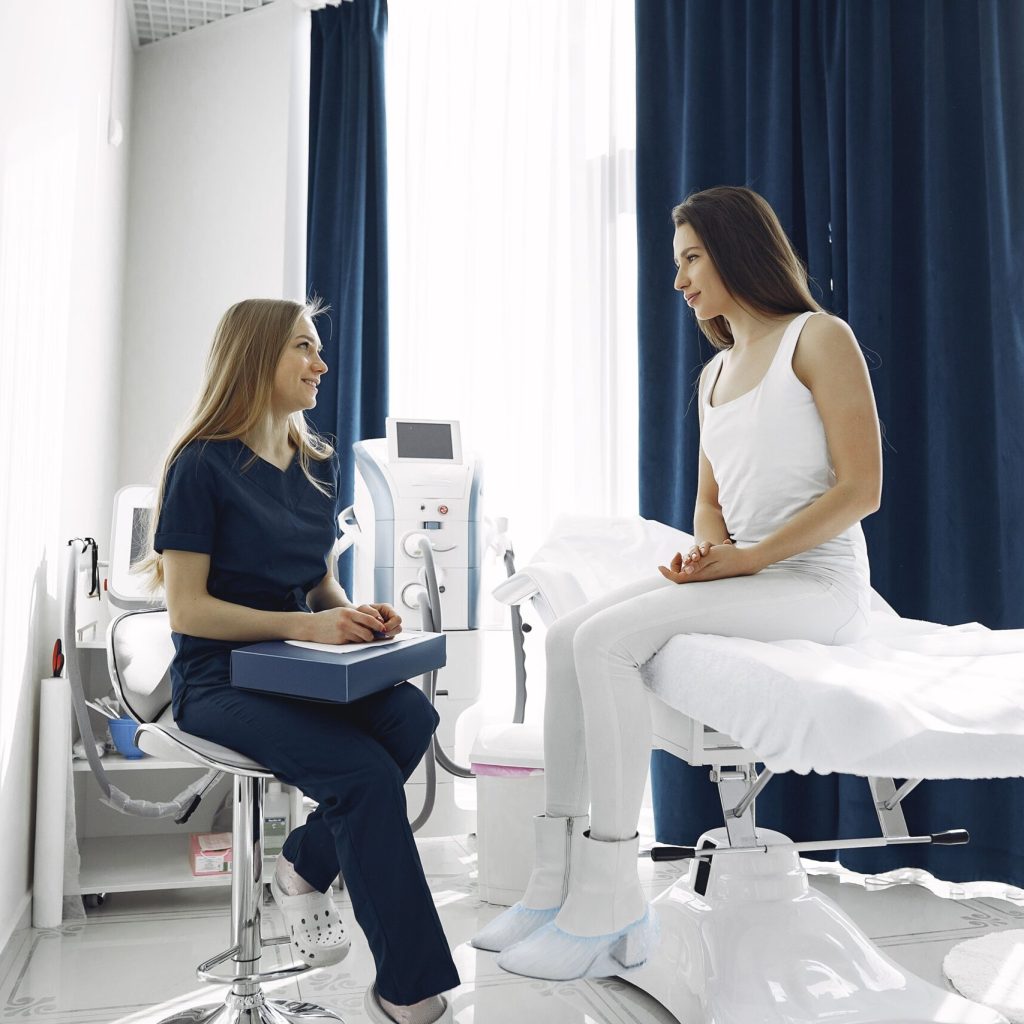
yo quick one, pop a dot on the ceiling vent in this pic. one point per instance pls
(153, 20)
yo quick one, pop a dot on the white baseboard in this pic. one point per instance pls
(22, 918)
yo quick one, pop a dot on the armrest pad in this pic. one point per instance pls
(555, 591)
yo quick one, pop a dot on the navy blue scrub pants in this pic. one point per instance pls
(353, 759)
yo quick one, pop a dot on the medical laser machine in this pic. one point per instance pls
(417, 514)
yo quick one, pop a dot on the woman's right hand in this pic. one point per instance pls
(688, 562)
(720, 562)
(342, 626)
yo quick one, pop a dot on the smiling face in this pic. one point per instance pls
(298, 370)
(697, 277)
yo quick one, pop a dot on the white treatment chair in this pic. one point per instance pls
(743, 938)
(139, 653)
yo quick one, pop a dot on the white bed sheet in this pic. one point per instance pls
(911, 700)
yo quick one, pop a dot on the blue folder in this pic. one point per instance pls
(281, 668)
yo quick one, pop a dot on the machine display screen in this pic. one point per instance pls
(140, 536)
(424, 441)
(129, 546)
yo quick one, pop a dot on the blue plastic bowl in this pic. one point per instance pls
(122, 732)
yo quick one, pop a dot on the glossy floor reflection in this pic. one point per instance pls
(133, 961)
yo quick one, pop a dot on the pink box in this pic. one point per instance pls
(209, 853)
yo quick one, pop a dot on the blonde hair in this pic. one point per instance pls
(237, 385)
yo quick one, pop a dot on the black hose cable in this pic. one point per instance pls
(111, 795)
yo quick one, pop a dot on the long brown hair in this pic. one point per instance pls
(235, 394)
(754, 258)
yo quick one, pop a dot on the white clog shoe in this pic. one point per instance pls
(314, 926)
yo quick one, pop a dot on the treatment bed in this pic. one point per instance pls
(743, 938)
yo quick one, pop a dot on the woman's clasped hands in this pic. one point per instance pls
(352, 625)
(707, 561)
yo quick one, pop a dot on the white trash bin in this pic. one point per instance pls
(509, 764)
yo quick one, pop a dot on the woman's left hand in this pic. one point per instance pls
(722, 561)
(391, 623)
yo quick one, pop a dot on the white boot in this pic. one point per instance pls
(603, 927)
(556, 841)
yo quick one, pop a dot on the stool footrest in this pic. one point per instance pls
(205, 970)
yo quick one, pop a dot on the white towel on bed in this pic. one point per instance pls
(911, 700)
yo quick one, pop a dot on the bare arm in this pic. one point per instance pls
(829, 363)
(195, 612)
(708, 522)
(329, 593)
(709, 526)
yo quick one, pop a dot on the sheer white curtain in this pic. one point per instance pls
(512, 241)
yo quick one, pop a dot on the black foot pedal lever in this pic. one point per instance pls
(951, 837)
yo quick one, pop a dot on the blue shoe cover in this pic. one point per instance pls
(512, 926)
(556, 955)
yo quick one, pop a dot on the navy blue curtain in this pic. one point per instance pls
(346, 246)
(885, 137)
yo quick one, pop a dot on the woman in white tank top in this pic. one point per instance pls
(790, 462)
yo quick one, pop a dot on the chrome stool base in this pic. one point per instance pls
(245, 1001)
(254, 1010)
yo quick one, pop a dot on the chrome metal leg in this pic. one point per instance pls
(732, 788)
(246, 1002)
(884, 793)
(247, 880)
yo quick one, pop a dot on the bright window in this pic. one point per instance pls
(512, 241)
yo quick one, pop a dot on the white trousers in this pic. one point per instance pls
(596, 711)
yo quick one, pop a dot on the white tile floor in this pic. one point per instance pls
(133, 961)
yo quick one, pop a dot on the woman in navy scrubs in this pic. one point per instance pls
(245, 527)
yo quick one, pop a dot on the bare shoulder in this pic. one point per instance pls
(827, 350)
(826, 331)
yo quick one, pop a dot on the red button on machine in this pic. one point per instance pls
(442, 510)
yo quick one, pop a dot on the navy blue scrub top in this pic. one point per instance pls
(268, 532)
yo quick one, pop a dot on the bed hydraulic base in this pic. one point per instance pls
(745, 940)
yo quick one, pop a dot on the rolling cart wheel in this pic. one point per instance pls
(94, 899)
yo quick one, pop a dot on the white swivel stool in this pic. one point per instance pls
(139, 652)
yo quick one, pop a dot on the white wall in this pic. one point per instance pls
(216, 205)
(62, 204)
(215, 134)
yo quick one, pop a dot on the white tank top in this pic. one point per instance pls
(770, 459)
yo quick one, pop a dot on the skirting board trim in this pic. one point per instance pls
(22, 919)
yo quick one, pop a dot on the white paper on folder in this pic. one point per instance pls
(348, 648)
